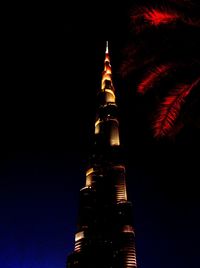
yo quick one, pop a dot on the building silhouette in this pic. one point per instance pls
(105, 236)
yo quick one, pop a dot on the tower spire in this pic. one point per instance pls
(107, 125)
(106, 83)
(107, 51)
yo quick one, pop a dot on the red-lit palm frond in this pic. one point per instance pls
(152, 77)
(162, 54)
(157, 17)
(143, 17)
(153, 16)
(170, 109)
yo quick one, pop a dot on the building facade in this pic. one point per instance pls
(105, 235)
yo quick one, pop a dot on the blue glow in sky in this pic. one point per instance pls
(39, 203)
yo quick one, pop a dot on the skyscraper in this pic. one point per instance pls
(105, 236)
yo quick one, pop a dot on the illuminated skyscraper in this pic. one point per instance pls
(105, 237)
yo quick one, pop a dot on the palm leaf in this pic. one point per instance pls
(152, 77)
(170, 109)
(143, 17)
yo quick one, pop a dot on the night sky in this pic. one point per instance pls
(52, 62)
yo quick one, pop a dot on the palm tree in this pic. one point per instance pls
(163, 57)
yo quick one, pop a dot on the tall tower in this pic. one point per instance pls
(105, 235)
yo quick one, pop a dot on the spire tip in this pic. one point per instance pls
(106, 46)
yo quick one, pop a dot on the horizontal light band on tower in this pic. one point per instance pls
(127, 229)
(84, 188)
(110, 96)
(119, 167)
(79, 236)
(110, 91)
(89, 171)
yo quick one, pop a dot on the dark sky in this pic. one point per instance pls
(52, 62)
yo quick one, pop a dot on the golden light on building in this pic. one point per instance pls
(89, 171)
(108, 69)
(105, 236)
(120, 184)
(109, 95)
(79, 241)
(89, 177)
(114, 132)
(79, 236)
(97, 126)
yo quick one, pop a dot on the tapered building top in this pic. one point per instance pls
(107, 73)
(107, 125)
